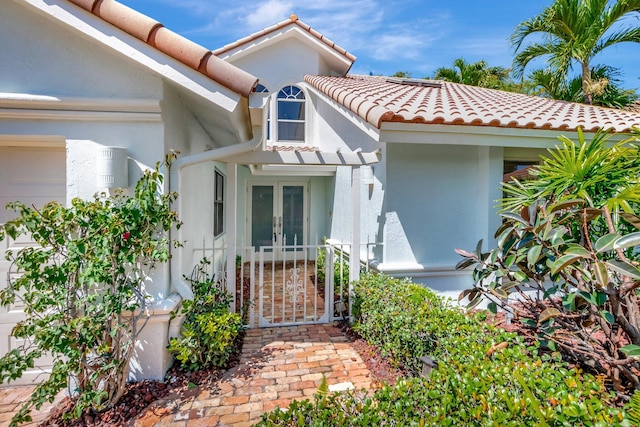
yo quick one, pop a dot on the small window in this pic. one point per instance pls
(218, 205)
(261, 89)
(291, 114)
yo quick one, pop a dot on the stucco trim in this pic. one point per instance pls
(408, 133)
(32, 141)
(38, 107)
(43, 102)
(79, 116)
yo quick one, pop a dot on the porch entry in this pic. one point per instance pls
(278, 219)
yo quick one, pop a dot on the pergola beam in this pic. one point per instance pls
(315, 158)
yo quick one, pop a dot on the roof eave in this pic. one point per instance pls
(168, 68)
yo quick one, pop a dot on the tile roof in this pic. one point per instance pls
(155, 34)
(377, 100)
(293, 19)
(298, 148)
(520, 174)
(634, 106)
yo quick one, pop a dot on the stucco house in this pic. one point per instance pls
(279, 147)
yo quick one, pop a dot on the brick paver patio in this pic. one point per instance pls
(277, 366)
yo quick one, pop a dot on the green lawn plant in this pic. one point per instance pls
(485, 376)
(209, 331)
(566, 261)
(83, 290)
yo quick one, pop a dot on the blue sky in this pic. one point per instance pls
(386, 35)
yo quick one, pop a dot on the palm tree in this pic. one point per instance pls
(475, 74)
(608, 94)
(575, 31)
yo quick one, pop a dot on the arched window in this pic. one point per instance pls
(261, 89)
(290, 105)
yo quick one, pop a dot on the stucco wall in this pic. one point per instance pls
(439, 198)
(49, 59)
(279, 64)
(65, 85)
(331, 129)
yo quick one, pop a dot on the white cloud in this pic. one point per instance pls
(269, 13)
(396, 46)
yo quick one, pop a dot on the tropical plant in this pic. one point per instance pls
(609, 94)
(485, 375)
(566, 261)
(402, 74)
(209, 331)
(474, 74)
(83, 290)
(575, 32)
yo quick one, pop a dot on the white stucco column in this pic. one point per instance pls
(232, 209)
(354, 258)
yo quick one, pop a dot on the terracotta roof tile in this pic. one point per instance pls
(293, 20)
(172, 44)
(520, 174)
(303, 148)
(634, 106)
(377, 100)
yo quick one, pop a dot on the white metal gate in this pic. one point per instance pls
(293, 290)
(283, 285)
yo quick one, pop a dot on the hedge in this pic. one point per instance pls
(485, 375)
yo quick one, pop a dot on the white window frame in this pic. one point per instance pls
(219, 223)
(273, 114)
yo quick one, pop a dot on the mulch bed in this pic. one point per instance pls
(179, 384)
(138, 396)
(381, 369)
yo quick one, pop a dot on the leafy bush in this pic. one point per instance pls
(389, 314)
(340, 269)
(209, 332)
(83, 289)
(485, 376)
(566, 261)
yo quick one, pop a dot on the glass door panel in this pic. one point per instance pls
(262, 215)
(292, 213)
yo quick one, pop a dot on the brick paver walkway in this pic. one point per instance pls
(11, 400)
(277, 365)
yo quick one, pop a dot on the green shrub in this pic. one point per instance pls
(209, 332)
(83, 290)
(485, 376)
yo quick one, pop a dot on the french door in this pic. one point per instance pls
(278, 216)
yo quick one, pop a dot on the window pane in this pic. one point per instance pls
(290, 110)
(218, 224)
(290, 131)
(218, 204)
(219, 195)
(290, 92)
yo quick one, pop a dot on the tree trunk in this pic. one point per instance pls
(586, 83)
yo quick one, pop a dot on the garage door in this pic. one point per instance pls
(35, 176)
